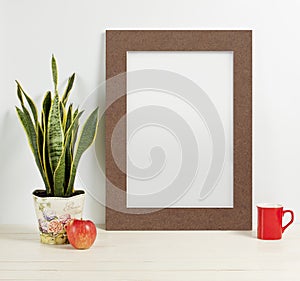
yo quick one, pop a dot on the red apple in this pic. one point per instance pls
(81, 233)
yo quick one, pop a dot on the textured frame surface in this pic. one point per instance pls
(118, 42)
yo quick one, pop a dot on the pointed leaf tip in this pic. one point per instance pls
(54, 72)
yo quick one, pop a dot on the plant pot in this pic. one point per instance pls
(54, 213)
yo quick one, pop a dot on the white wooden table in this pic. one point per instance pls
(193, 255)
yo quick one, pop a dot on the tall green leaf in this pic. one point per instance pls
(55, 136)
(68, 89)
(47, 101)
(59, 176)
(63, 115)
(75, 130)
(69, 118)
(28, 126)
(32, 105)
(54, 73)
(68, 164)
(71, 144)
(20, 96)
(46, 162)
(62, 172)
(40, 144)
(86, 138)
(75, 112)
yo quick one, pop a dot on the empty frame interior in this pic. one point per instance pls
(212, 71)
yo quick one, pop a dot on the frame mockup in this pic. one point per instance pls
(118, 215)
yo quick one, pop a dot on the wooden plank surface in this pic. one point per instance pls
(141, 256)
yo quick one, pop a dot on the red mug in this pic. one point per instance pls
(269, 223)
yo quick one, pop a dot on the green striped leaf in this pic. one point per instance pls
(68, 165)
(42, 121)
(69, 118)
(28, 126)
(20, 96)
(32, 105)
(47, 101)
(75, 131)
(40, 143)
(54, 73)
(63, 115)
(55, 136)
(68, 89)
(59, 176)
(68, 144)
(62, 172)
(46, 160)
(86, 138)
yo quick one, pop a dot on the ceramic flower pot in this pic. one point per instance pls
(54, 213)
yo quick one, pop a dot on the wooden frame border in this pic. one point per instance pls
(118, 42)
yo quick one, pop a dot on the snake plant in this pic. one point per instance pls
(53, 137)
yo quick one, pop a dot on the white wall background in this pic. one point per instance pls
(74, 31)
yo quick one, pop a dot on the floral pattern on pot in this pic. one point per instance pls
(53, 228)
(54, 214)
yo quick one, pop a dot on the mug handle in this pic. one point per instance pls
(290, 222)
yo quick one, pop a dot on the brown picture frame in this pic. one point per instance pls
(118, 42)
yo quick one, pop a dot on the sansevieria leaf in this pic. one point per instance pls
(68, 89)
(59, 176)
(32, 139)
(47, 101)
(86, 138)
(75, 130)
(30, 102)
(54, 73)
(55, 136)
(61, 173)
(46, 162)
(63, 115)
(40, 144)
(20, 95)
(69, 118)
(68, 164)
